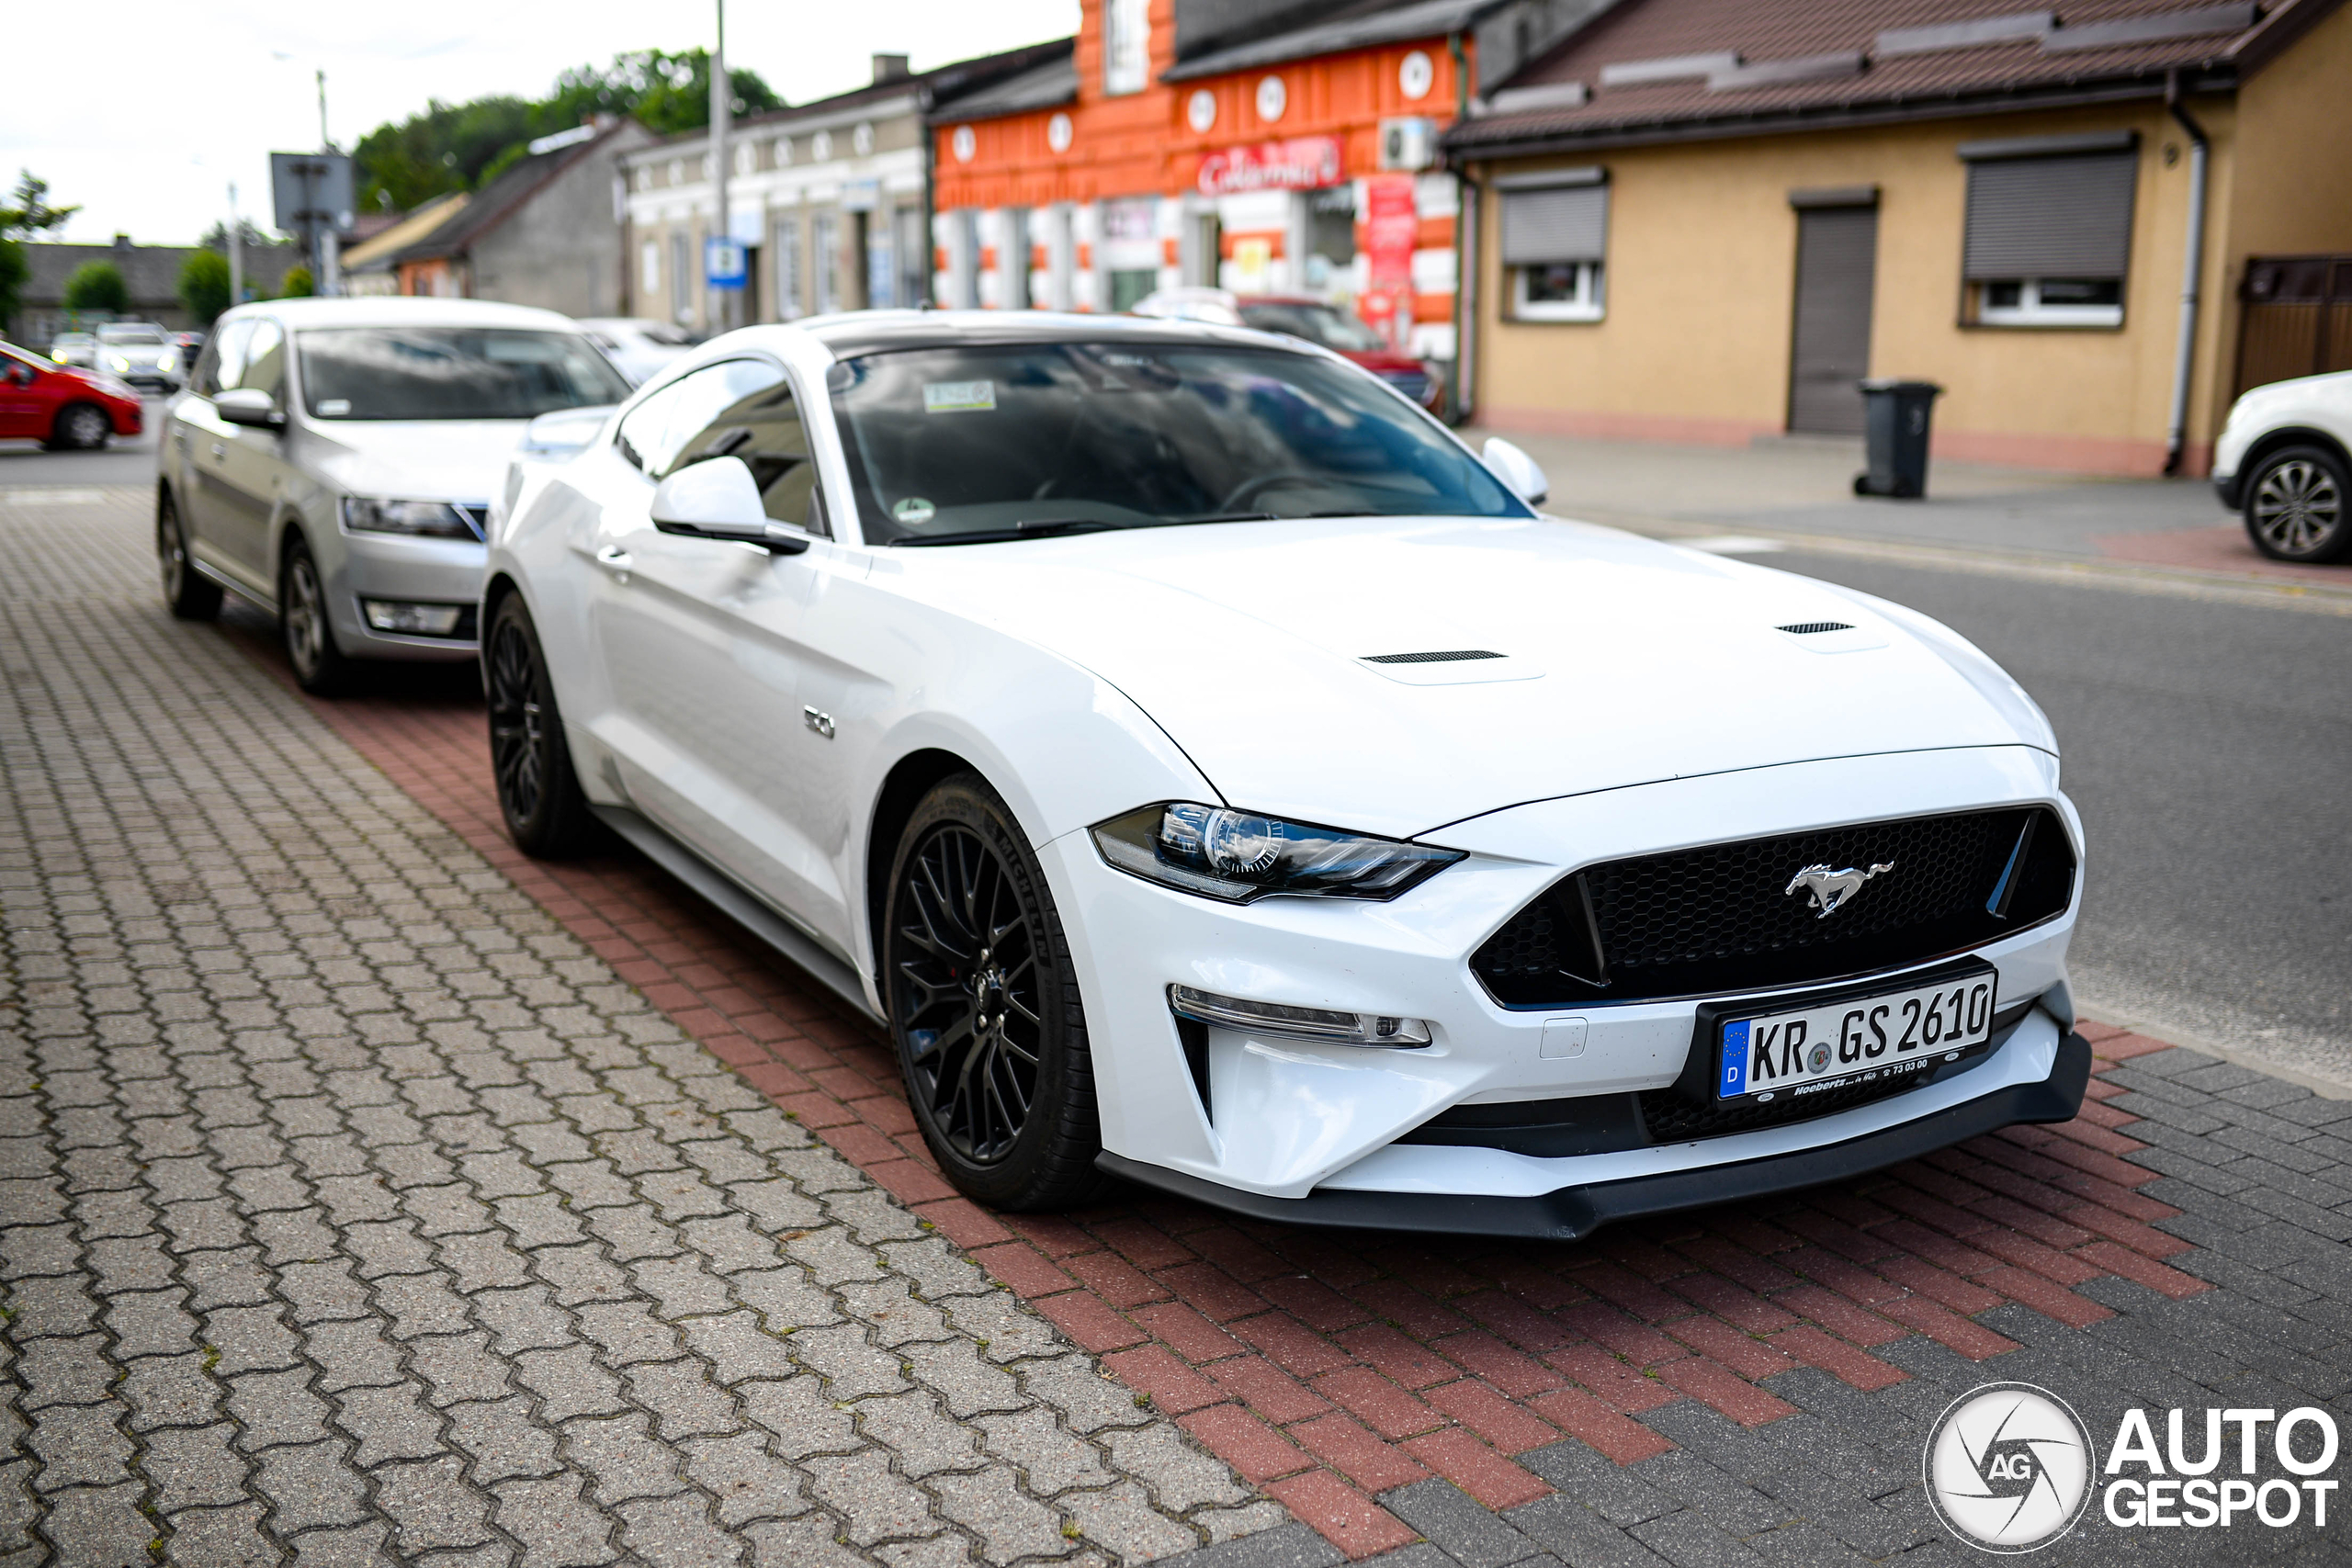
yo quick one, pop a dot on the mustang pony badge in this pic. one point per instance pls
(1831, 889)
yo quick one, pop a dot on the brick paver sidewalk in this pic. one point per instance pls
(1732, 1386)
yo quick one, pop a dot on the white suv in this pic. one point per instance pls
(334, 460)
(2282, 461)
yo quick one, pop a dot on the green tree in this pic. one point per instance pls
(204, 286)
(27, 210)
(297, 285)
(13, 272)
(454, 147)
(97, 286)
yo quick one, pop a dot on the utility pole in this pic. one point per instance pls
(236, 252)
(326, 248)
(722, 106)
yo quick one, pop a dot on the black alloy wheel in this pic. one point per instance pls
(2299, 507)
(319, 667)
(538, 794)
(83, 427)
(984, 1009)
(191, 595)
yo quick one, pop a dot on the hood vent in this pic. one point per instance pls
(1810, 628)
(1450, 657)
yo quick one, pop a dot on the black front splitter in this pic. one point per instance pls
(1572, 1213)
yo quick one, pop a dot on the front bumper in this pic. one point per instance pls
(1290, 1121)
(1571, 1214)
(2231, 488)
(404, 570)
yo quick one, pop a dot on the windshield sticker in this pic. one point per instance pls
(333, 408)
(914, 510)
(957, 397)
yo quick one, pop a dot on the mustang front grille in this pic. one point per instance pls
(1743, 915)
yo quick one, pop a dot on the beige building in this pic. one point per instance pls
(1706, 220)
(831, 201)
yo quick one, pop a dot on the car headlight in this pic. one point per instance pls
(1238, 856)
(121, 361)
(427, 519)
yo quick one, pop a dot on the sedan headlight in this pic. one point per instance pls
(121, 361)
(1237, 856)
(427, 519)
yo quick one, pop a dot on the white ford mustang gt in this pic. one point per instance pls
(1214, 774)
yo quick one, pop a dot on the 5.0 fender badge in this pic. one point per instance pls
(1831, 889)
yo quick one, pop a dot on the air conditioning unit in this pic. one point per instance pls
(1408, 142)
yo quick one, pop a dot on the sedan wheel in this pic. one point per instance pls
(983, 1009)
(2296, 508)
(84, 425)
(538, 794)
(319, 667)
(191, 596)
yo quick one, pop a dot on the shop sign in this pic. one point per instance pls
(1303, 162)
(1392, 228)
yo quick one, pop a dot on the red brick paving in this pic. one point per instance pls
(1329, 1366)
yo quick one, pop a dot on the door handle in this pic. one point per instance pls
(612, 559)
(219, 453)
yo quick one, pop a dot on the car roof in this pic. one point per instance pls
(403, 310)
(879, 331)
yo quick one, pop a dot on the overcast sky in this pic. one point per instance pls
(144, 110)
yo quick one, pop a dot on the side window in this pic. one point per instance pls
(266, 360)
(740, 407)
(224, 357)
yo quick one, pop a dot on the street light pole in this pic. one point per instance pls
(236, 252)
(722, 110)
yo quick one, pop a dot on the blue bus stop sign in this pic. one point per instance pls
(722, 262)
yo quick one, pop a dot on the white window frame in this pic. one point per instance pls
(1591, 303)
(1126, 47)
(788, 279)
(2029, 311)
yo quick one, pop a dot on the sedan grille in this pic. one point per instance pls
(1726, 917)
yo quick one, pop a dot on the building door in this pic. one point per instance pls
(1830, 347)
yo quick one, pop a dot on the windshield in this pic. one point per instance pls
(951, 443)
(1325, 324)
(433, 373)
(130, 334)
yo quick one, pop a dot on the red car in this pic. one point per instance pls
(61, 405)
(1303, 316)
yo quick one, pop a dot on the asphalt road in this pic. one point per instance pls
(2208, 747)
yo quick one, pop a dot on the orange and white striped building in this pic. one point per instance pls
(1261, 147)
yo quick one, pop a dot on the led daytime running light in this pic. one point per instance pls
(1310, 1023)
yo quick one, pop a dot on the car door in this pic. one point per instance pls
(201, 441)
(249, 471)
(702, 641)
(23, 409)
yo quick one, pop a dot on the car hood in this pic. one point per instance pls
(419, 460)
(1622, 661)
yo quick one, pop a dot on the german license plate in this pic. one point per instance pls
(1806, 1050)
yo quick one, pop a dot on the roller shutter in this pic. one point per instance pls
(1555, 223)
(2050, 216)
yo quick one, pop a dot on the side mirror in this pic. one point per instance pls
(718, 499)
(249, 406)
(1521, 472)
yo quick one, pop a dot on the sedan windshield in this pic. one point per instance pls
(1325, 324)
(436, 373)
(990, 441)
(136, 335)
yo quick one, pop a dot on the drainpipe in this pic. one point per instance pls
(924, 105)
(1465, 252)
(2192, 268)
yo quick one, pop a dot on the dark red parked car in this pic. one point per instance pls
(1302, 316)
(61, 405)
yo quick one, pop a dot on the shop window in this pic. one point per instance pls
(2051, 302)
(1126, 46)
(1554, 241)
(1556, 292)
(649, 268)
(1131, 284)
(681, 278)
(1331, 241)
(2049, 230)
(828, 261)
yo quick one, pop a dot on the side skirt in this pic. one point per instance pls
(1571, 1214)
(738, 905)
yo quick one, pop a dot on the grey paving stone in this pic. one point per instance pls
(1469, 1533)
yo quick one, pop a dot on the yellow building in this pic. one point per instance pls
(1707, 219)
